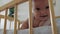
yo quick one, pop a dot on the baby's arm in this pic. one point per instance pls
(24, 25)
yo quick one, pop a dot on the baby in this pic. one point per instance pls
(41, 15)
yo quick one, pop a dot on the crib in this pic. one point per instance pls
(53, 29)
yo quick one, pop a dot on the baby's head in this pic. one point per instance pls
(41, 9)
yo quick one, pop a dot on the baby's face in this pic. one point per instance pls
(41, 9)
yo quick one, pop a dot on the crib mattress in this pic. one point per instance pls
(39, 30)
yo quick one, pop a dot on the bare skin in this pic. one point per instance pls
(41, 14)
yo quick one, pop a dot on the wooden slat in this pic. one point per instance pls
(18, 25)
(57, 16)
(52, 17)
(15, 19)
(8, 17)
(30, 17)
(5, 21)
(11, 4)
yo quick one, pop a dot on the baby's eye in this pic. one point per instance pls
(47, 7)
(37, 9)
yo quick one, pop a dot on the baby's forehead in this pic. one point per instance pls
(40, 3)
(40, 0)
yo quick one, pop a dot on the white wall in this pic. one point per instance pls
(23, 11)
(3, 2)
(57, 8)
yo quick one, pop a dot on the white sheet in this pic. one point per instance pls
(39, 30)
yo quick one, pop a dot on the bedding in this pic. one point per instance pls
(38, 30)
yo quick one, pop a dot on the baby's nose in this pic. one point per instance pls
(42, 12)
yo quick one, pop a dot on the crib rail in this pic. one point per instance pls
(30, 17)
(52, 16)
(5, 21)
(11, 19)
(15, 19)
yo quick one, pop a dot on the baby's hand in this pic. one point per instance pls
(41, 23)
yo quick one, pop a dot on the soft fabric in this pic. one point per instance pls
(38, 30)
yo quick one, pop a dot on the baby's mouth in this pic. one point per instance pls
(44, 16)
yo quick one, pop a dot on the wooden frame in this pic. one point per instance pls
(11, 19)
(52, 17)
(30, 18)
(57, 17)
(5, 21)
(15, 19)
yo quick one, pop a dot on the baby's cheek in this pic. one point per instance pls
(37, 16)
(48, 13)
